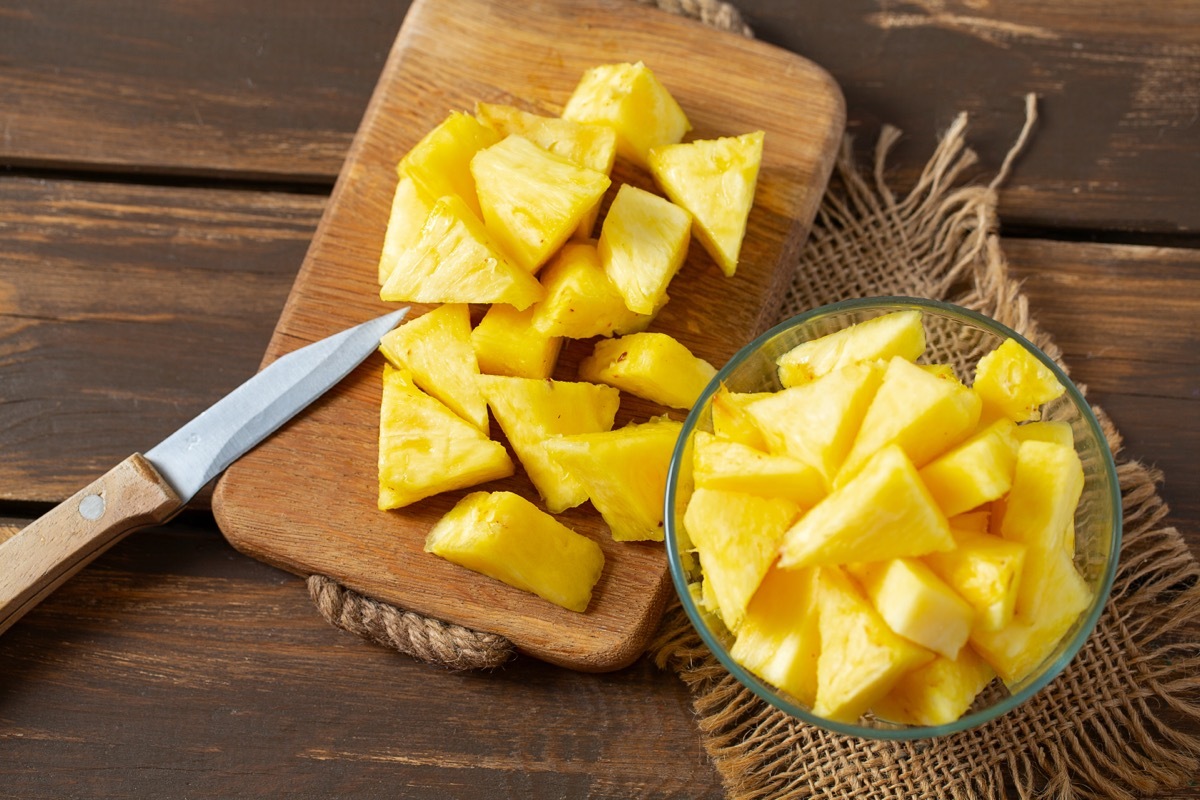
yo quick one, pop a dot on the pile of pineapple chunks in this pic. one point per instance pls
(499, 208)
(878, 536)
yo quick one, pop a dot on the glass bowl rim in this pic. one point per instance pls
(767, 693)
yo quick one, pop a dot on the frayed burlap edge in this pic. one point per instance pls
(1113, 725)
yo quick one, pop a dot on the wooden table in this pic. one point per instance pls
(164, 168)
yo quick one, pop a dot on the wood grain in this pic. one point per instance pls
(249, 89)
(305, 500)
(126, 310)
(174, 662)
(1126, 318)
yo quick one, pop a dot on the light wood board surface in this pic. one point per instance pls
(305, 500)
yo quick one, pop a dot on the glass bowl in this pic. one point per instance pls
(957, 336)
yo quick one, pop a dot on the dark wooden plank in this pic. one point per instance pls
(172, 661)
(256, 89)
(125, 311)
(1119, 84)
(165, 88)
(1127, 319)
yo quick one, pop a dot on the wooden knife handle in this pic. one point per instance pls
(55, 546)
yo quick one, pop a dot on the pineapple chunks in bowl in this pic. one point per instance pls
(955, 539)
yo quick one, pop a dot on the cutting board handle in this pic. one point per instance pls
(58, 544)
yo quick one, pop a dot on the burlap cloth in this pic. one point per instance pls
(1114, 724)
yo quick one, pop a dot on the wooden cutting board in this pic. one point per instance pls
(305, 500)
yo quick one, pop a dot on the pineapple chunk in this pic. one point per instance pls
(984, 570)
(916, 604)
(975, 472)
(817, 422)
(652, 366)
(436, 350)
(590, 146)
(532, 410)
(440, 163)
(506, 343)
(900, 333)
(1047, 484)
(732, 422)
(885, 512)
(504, 536)
(920, 412)
(1051, 597)
(630, 99)
(733, 467)
(861, 658)
(455, 261)
(779, 639)
(1013, 382)
(938, 692)
(643, 242)
(424, 448)
(736, 536)
(581, 302)
(533, 200)
(714, 180)
(624, 472)
(410, 207)
(1055, 431)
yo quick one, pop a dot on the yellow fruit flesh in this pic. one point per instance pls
(455, 261)
(714, 180)
(505, 537)
(507, 343)
(410, 207)
(900, 333)
(816, 423)
(861, 658)
(1013, 381)
(436, 350)
(984, 570)
(916, 410)
(590, 146)
(936, 693)
(630, 99)
(425, 448)
(1047, 484)
(733, 467)
(643, 242)
(885, 512)
(916, 604)
(653, 366)
(1054, 431)
(624, 472)
(736, 536)
(440, 163)
(971, 521)
(1053, 595)
(779, 639)
(531, 199)
(975, 472)
(530, 411)
(581, 302)
(732, 422)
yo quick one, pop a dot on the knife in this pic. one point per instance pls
(150, 489)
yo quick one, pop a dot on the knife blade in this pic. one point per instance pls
(150, 489)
